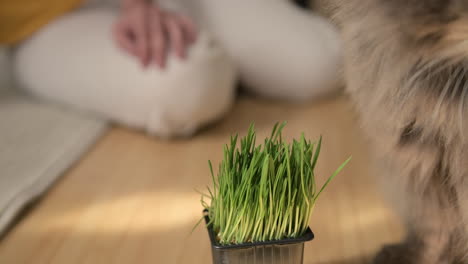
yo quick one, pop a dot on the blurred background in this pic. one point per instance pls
(110, 110)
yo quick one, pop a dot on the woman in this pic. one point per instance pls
(172, 77)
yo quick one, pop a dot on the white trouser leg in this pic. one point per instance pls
(280, 50)
(74, 61)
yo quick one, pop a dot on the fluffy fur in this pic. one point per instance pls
(406, 67)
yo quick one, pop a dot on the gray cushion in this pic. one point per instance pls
(5, 74)
(38, 142)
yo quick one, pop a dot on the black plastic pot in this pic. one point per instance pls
(287, 251)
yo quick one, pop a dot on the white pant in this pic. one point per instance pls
(278, 50)
(75, 61)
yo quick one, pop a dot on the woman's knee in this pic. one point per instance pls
(286, 53)
(307, 66)
(74, 61)
(194, 92)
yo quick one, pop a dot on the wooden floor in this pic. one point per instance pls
(131, 199)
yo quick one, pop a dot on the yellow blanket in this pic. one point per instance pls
(19, 19)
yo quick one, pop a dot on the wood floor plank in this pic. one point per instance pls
(131, 199)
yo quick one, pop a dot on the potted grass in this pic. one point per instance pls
(262, 199)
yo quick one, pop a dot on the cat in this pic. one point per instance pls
(406, 69)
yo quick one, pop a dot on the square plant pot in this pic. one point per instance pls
(286, 251)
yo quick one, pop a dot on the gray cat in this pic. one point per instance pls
(406, 68)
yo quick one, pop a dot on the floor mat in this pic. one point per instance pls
(38, 142)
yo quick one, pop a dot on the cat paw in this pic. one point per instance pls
(395, 254)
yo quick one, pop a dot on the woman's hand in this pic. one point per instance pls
(149, 33)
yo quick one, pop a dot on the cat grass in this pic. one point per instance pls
(264, 192)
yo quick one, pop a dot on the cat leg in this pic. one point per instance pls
(461, 188)
(431, 217)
